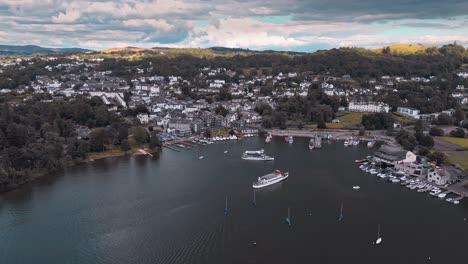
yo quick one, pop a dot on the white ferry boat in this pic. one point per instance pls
(256, 155)
(270, 179)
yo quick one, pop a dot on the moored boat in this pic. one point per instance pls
(311, 144)
(270, 179)
(371, 144)
(256, 155)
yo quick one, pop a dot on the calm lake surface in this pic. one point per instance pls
(171, 210)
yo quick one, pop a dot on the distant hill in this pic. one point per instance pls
(124, 49)
(224, 50)
(32, 50)
(404, 48)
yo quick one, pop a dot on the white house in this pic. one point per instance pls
(369, 107)
(409, 112)
(438, 176)
(217, 84)
(144, 118)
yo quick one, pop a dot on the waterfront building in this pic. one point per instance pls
(439, 176)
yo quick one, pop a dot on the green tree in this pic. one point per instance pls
(139, 134)
(459, 133)
(436, 132)
(444, 119)
(102, 116)
(98, 138)
(438, 157)
(426, 141)
(321, 125)
(220, 110)
(154, 141)
(124, 145)
(459, 115)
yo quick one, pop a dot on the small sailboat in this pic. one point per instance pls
(268, 138)
(201, 157)
(379, 239)
(226, 151)
(356, 187)
(254, 202)
(226, 210)
(290, 139)
(288, 218)
(341, 216)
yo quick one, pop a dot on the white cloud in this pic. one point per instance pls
(158, 24)
(68, 16)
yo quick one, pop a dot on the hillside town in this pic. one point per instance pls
(217, 98)
(412, 114)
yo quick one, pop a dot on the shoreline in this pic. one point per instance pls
(92, 156)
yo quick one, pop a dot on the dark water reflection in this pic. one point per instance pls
(170, 210)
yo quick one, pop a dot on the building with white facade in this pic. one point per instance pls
(439, 176)
(370, 107)
(409, 112)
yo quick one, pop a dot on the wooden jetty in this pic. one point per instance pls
(144, 152)
(171, 147)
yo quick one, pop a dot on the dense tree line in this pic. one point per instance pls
(377, 121)
(38, 138)
(359, 63)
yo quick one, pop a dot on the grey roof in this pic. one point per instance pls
(391, 153)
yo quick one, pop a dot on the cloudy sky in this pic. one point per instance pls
(300, 25)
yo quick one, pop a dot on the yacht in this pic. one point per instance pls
(270, 179)
(268, 138)
(256, 155)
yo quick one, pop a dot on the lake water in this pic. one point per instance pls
(171, 210)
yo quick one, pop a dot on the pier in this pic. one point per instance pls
(171, 147)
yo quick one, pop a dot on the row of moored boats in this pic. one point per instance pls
(399, 177)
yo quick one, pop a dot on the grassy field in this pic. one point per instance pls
(458, 157)
(404, 48)
(348, 119)
(462, 142)
(351, 120)
(402, 119)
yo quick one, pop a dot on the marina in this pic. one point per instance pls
(162, 214)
